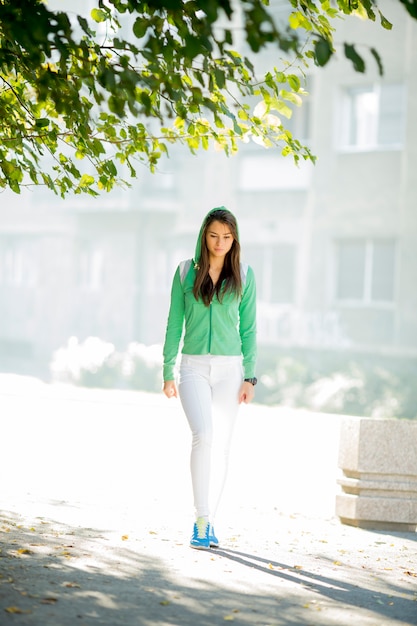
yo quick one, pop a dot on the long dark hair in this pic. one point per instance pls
(230, 279)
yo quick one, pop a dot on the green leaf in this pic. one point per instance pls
(111, 168)
(220, 79)
(281, 107)
(98, 15)
(84, 25)
(86, 180)
(298, 20)
(384, 22)
(291, 97)
(378, 61)
(352, 55)
(236, 127)
(323, 51)
(140, 27)
(42, 122)
(116, 105)
(294, 82)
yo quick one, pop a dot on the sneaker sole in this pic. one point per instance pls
(199, 547)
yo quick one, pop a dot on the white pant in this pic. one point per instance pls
(209, 387)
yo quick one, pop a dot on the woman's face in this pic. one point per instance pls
(219, 240)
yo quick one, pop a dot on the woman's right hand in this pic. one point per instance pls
(170, 389)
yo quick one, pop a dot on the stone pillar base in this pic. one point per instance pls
(378, 458)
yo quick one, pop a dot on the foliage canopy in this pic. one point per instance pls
(82, 97)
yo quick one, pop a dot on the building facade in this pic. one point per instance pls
(332, 245)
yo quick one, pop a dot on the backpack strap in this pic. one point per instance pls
(184, 267)
(244, 272)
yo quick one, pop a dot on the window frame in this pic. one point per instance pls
(366, 300)
(346, 116)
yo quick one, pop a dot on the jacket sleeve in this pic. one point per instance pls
(247, 325)
(174, 327)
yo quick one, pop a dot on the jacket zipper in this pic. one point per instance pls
(209, 346)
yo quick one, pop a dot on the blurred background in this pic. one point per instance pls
(85, 283)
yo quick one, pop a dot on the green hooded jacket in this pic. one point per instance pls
(223, 328)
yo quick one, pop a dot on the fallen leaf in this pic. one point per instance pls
(411, 573)
(49, 600)
(13, 609)
(165, 602)
(270, 566)
(125, 537)
(337, 563)
(229, 618)
(24, 551)
(64, 553)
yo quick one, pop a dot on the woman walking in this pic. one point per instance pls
(213, 300)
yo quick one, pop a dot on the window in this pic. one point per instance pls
(90, 267)
(365, 270)
(18, 262)
(373, 117)
(274, 268)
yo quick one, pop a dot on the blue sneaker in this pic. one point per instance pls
(200, 538)
(214, 542)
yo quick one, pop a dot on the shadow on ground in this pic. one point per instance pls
(61, 575)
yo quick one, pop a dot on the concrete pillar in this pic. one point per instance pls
(378, 458)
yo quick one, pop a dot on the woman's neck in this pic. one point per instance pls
(216, 265)
(215, 272)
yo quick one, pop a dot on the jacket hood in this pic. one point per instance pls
(197, 254)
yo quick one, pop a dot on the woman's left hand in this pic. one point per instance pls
(246, 392)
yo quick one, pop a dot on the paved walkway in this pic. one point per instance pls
(95, 519)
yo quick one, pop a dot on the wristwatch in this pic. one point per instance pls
(253, 381)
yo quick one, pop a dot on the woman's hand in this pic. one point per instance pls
(246, 392)
(170, 389)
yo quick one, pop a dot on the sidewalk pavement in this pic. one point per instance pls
(96, 516)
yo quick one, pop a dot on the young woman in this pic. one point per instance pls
(214, 297)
